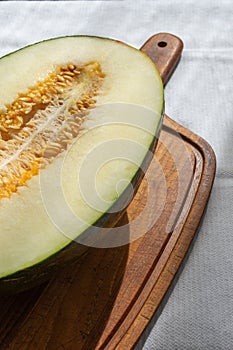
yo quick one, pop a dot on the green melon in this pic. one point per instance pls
(78, 116)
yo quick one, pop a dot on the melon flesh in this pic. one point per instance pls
(117, 103)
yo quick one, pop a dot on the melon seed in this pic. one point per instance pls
(32, 133)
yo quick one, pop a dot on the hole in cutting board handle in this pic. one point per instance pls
(162, 44)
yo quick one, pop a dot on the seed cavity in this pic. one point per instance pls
(41, 124)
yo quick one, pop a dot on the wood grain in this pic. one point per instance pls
(106, 300)
(165, 51)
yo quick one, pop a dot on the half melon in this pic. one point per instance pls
(78, 118)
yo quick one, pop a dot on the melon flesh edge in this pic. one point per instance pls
(115, 140)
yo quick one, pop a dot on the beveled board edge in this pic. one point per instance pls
(180, 251)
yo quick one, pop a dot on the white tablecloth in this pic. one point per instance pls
(199, 312)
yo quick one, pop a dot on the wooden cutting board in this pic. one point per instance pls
(106, 300)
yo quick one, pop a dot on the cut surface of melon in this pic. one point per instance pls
(77, 118)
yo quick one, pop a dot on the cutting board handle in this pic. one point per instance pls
(165, 51)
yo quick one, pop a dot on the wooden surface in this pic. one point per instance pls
(106, 300)
(165, 51)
